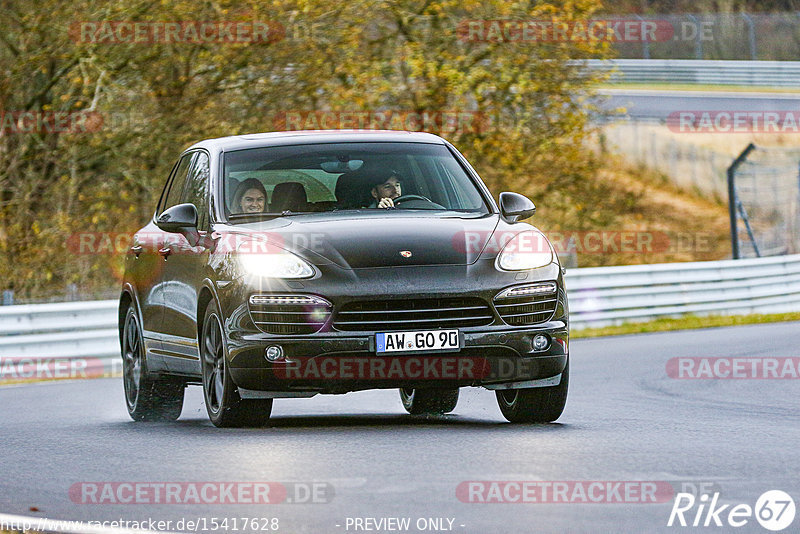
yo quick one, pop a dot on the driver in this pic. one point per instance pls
(386, 188)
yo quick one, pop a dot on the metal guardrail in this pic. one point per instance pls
(598, 296)
(602, 296)
(700, 72)
(63, 330)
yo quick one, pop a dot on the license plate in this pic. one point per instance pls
(426, 340)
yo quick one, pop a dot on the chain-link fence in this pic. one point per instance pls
(767, 202)
(766, 182)
(754, 36)
(689, 165)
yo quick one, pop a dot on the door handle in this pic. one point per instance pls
(137, 249)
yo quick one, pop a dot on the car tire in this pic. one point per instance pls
(147, 397)
(429, 401)
(534, 405)
(224, 405)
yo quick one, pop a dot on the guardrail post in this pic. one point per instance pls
(732, 198)
(645, 42)
(698, 42)
(751, 33)
(72, 292)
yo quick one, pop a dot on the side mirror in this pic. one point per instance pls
(514, 207)
(178, 219)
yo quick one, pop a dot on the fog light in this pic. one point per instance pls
(274, 353)
(540, 342)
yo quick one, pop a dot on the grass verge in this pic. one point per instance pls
(684, 323)
(17, 381)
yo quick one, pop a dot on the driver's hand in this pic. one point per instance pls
(386, 203)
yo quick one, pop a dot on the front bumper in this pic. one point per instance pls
(343, 362)
(336, 361)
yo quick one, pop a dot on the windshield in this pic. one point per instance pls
(288, 180)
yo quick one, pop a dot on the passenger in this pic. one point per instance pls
(250, 197)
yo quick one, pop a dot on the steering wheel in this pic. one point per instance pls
(404, 198)
(418, 198)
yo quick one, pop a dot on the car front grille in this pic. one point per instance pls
(289, 314)
(527, 305)
(412, 314)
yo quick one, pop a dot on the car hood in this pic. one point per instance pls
(388, 239)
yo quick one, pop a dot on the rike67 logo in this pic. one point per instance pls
(774, 510)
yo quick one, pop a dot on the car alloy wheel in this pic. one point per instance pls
(213, 364)
(224, 405)
(148, 398)
(131, 360)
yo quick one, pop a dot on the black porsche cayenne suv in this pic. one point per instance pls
(295, 263)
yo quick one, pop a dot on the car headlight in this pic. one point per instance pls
(526, 250)
(275, 265)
